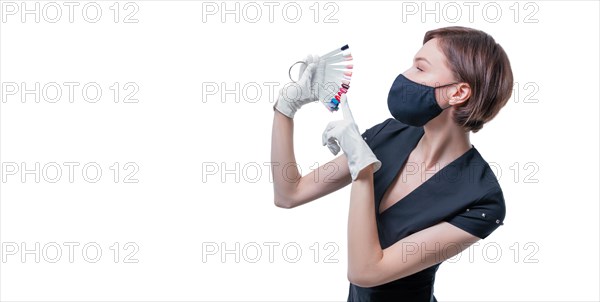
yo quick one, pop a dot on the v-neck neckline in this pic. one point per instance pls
(389, 183)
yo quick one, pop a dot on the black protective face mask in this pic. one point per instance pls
(412, 103)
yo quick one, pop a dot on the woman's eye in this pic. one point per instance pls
(419, 69)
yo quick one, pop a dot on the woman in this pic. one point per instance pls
(421, 192)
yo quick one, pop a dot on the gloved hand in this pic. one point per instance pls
(294, 95)
(344, 134)
(323, 90)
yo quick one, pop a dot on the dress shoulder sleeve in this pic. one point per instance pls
(484, 216)
(370, 133)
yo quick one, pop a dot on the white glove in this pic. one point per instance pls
(344, 134)
(324, 91)
(294, 95)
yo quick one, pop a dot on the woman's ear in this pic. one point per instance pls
(461, 95)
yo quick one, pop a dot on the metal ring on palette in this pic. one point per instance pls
(290, 71)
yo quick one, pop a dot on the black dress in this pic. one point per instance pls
(464, 193)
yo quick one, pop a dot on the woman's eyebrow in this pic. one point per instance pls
(422, 59)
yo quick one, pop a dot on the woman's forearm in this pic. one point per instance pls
(283, 161)
(364, 250)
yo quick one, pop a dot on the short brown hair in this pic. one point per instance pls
(475, 58)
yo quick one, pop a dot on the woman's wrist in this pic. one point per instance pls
(278, 112)
(366, 172)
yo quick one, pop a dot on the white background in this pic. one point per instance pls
(544, 143)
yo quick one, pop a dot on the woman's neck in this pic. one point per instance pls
(443, 141)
